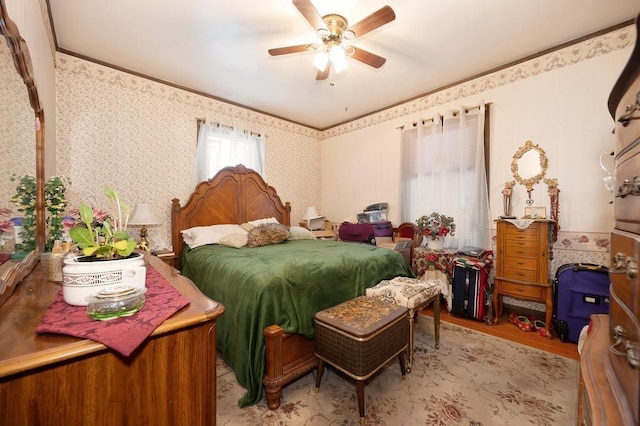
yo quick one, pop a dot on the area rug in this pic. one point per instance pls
(472, 379)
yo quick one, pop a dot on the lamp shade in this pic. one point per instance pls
(143, 215)
(310, 213)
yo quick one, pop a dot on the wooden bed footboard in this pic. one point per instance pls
(288, 357)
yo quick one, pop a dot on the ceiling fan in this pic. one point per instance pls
(334, 29)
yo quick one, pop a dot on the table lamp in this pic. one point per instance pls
(143, 215)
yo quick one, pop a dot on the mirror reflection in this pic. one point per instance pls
(17, 141)
(22, 152)
(529, 164)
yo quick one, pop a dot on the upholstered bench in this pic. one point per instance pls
(413, 294)
(358, 337)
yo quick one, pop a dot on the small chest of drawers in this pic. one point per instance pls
(522, 265)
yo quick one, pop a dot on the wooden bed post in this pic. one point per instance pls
(284, 366)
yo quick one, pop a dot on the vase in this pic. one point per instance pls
(435, 244)
(85, 276)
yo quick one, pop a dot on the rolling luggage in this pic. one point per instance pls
(470, 286)
(365, 232)
(579, 290)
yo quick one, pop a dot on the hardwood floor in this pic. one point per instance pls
(506, 330)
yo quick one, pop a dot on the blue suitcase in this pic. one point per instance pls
(579, 290)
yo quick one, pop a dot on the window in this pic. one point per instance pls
(221, 146)
(443, 170)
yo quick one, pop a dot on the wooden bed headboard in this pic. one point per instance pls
(234, 195)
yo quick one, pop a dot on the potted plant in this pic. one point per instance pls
(436, 226)
(106, 238)
(109, 259)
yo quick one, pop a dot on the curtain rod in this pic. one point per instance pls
(201, 121)
(427, 120)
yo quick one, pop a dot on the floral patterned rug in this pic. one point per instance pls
(472, 379)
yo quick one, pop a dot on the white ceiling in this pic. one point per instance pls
(219, 48)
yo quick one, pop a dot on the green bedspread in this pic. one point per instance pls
(284, 284)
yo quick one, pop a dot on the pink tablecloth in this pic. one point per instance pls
(125, 334)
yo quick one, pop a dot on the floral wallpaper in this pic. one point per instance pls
(139, 137)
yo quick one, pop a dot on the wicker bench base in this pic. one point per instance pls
(415, 295)
(359, 337)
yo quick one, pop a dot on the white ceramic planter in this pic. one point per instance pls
(84, 279)
(436, 244)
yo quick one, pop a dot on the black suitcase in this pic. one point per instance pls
(365, 232)
(579, 290)
(470, 287)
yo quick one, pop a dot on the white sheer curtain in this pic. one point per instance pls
(443, 170)
(222, 146)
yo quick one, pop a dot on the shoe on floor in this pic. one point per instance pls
(523, 323)
(540, 328)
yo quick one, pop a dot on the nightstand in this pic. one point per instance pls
(170, 258)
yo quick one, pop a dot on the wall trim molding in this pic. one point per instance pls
(591, 48)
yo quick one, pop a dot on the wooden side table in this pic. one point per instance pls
(170, 258)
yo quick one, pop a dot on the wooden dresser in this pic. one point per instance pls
(610, 359)
(48, 379)
(522, 265)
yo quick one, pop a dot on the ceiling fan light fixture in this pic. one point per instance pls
(321, 60)
(338, 58)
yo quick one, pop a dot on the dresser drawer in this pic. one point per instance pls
(625, 247)
(627, 134)
(522, 248)
(530, 233)
(519, 274)
(627, 190)
(521, 290)
(627, 376)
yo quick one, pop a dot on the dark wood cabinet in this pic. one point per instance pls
(48, 379)
(610, 358)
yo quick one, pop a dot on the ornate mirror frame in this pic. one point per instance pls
(12, 272)
(544, 163)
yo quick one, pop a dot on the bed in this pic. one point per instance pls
(270, 293)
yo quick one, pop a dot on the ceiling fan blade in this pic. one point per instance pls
(289, 49)
(373, 21)
(310, 13)
(368, 58)
(323, 75)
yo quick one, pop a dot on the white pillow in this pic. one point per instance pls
(300, 233)
(201, 235)
(265, 220)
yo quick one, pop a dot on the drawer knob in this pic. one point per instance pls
(629, 187)
(631, 350)
(629, 110)
(624, 264)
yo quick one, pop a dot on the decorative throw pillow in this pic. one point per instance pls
(234, 240)
(300, 233)
(263, 221)
(247, 226)
(266, 234)
(201, 235)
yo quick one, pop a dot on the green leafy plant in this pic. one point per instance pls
(106, 239)
(55, 202)
(436, 225)
(25, 201)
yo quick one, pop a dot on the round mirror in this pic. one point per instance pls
(529, 164)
